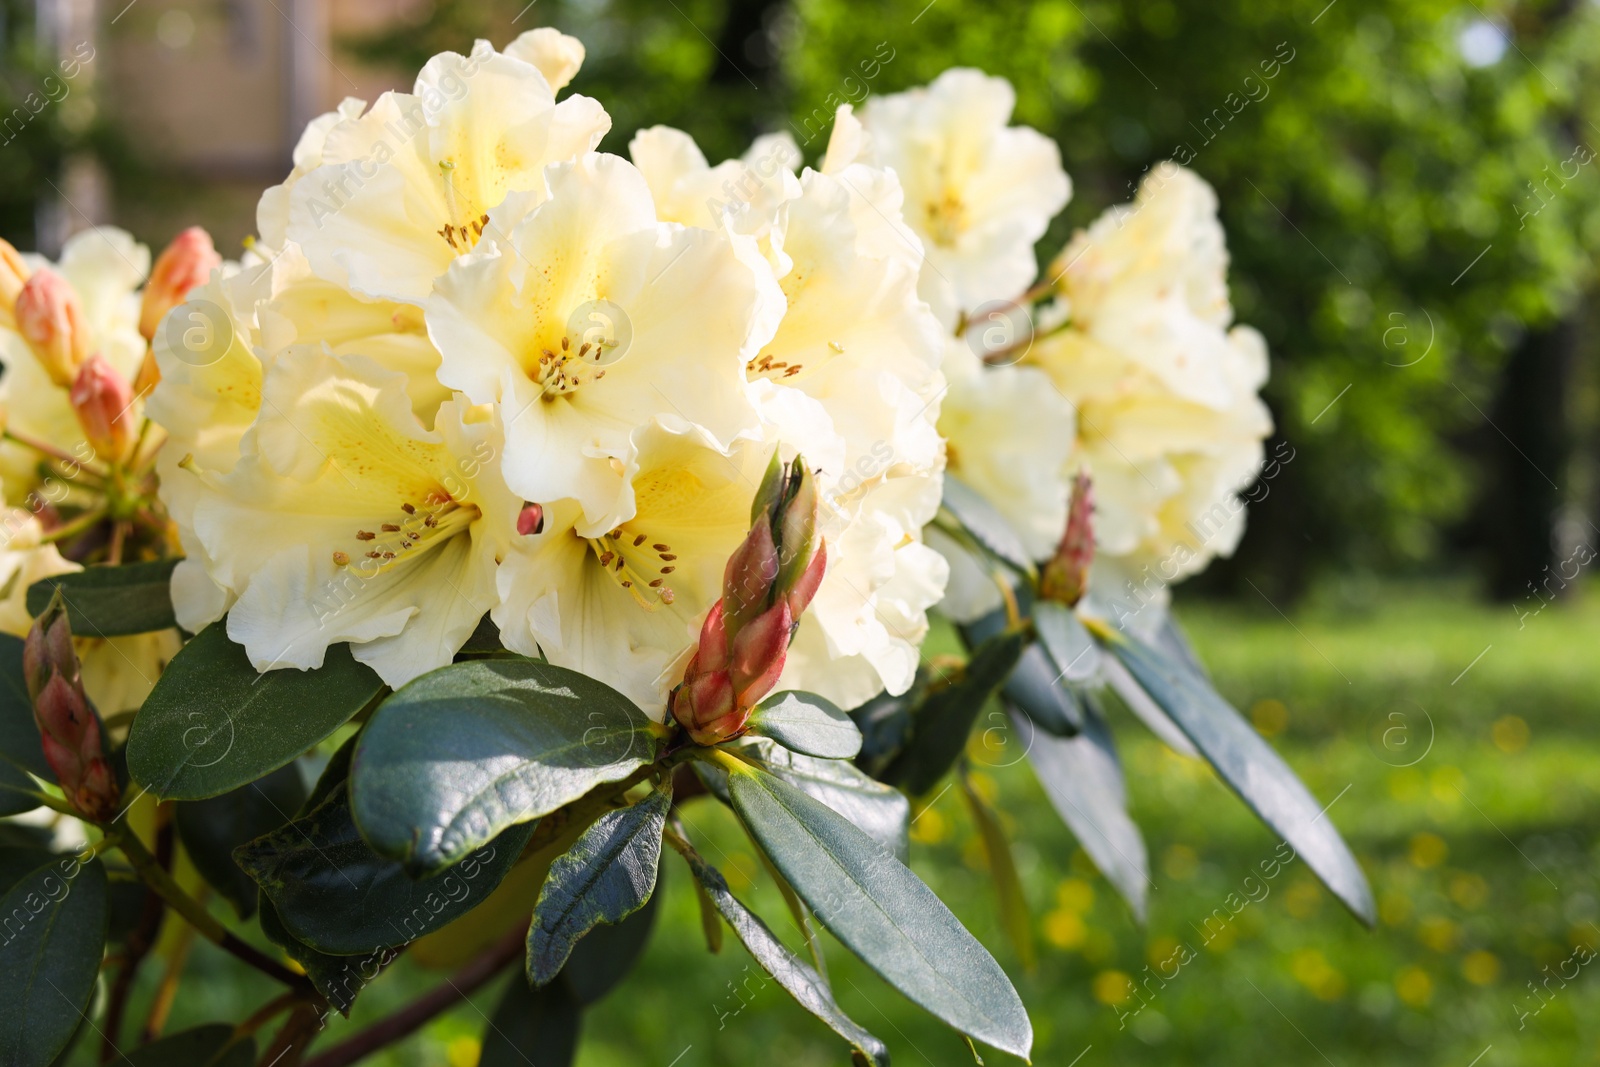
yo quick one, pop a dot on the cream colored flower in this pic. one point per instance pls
(625, 604)
(978, 193)
(594, 319)
(556, 55)
(346, 519)
(402, 190)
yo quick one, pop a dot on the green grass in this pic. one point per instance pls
(1483, 854)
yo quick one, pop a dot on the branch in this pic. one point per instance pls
(140, 940)
(413, 1016)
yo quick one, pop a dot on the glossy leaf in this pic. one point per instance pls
(104, 601)
(331, 891)
(808, 724)
(1067, 640)
(940, 725)
(1035, 687)
(607, 875)
(1083, 780)
(881, 911)
(212, 829)
(212, 724)
(1247, 763)
(19, 733)
(1014, 915)
(532, 1026)
(985, 524)
(340, 979)
(788, 970)
(54, 934)
(607, 955)
(885, 724)
(455, 757)
(1146, 710)
(211, 1045)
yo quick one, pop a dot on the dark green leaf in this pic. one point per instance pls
(211, 1045)
(607, 875)
(1071, 649)
(533, 1026)
(1014, 914)
(985, 524)
(1250, 766)
(134, 598)
(608, 953)
(940, 725)
(885, 724)
(882, 912)
(19, 733)
(1035, 688)
(1146, 710)
(484, 641)
(340, 979)
(16, 790)
(882, 811)
(54, 930)
(17, 861)
(793, 974)
(212, 829)
(213, 724)
(331, 891)
(463, 752)
(808, 724)
(1083, 779)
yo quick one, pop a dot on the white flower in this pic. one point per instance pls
(625, 604)
(978, 192)
(346, 519)
(399, 192)
(593, 319)
(556, 55)
(1169, 420)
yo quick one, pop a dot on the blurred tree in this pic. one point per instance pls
(43, 116)
(1408, 186)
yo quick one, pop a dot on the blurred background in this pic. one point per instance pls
(1411, 204)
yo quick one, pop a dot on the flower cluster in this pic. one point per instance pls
(1129, 370)
(77, 453)
(475, 367)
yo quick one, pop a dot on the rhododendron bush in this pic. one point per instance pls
(507, 495)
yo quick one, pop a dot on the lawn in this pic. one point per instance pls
(1459, 748)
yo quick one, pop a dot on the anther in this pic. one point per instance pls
(389, 527)
(340, 559)
(365, 535)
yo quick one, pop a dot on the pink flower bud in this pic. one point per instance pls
(14, 275)
(705, 707)
(747, 580)
(69, 730)
(103, 400)
(183, 265)
(806, 586)
(1066, 575)
(50, 318)
(713, 653)
(758, 655)
(530, 520)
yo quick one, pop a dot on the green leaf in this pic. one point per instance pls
(788, 970)
(881, 911)
(16, 790)
(212, 724)
(1014, 914)
(331, 891)
(608, 953)
(1067, 640)
(463, 752)
(212, 829)
(533, 1026)
(606, 875)
(19, 733)
(133, 598)
(882, 811)
(1035, 687)
(1083, 779)
(1247, 763)
(211, 1045)
(340, 979)
(985, 524)
(885, 724)
(808, 724)
(940, 725)
(54, 933)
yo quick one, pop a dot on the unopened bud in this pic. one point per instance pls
(1065, 577)
(758, 654)
(14, 274)
(69, 729)
(103, 401)
(705, 707)
(530, 520)
(51, 320)
(747, 579)
(183, 265)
